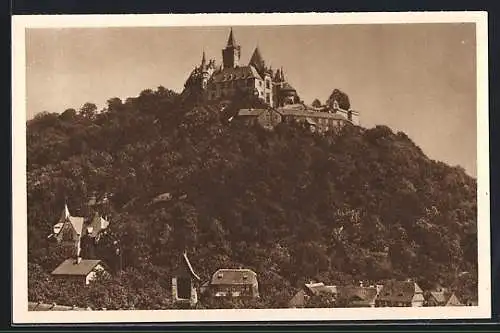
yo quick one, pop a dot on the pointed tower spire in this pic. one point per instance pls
(282, 74)
(203, 59)
(230, 41)
(256, 60)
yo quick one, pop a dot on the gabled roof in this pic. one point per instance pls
(240, 276)
(444, 297)
(358, 295)
(77, 223)
(96, 225)
(399, 291)
(71, 267)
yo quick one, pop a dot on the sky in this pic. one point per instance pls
(416, 78)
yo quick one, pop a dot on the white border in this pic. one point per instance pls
(21, 315)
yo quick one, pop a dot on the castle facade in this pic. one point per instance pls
(256, 78)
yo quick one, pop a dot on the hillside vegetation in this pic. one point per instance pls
(291, 205)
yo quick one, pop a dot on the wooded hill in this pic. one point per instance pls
(294, 206)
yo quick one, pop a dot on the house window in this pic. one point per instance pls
(268, 98)
(260, 83)
(268, 84)
(183, 287)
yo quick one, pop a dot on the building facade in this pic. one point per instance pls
(255, 78)
(234, 283)
(400, 294)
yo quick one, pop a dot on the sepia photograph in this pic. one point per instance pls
(248, 167)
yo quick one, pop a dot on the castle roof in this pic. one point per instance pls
(287, 87)
(257, 60)
(236, 73)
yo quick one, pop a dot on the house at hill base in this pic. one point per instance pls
(267, 118)
(80, 270)
(358, 296)
(441, 297)
(400, 294)
(184, 283)
(71, 230)
(229, 282)
(300, 299)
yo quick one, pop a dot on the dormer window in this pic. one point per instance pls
(219, 276)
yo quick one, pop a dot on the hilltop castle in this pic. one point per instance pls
(222, 82)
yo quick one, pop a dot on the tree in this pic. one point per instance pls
(68, 115)
(341, 97)
(88, 110)
(316, 103)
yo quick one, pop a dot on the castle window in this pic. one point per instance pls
(260, 83)
(268, 98)
(268, 84)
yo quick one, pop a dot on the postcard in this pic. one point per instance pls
(250, 167)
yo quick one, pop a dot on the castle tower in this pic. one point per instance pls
(231, 54)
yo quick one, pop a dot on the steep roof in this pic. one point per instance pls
(188, 263)
(96, 225)
(444, 297)
(236, 73)
(231, 41)
(399, 291)
(257, 60)
(77, 223)
(240, 276)
(70, 267)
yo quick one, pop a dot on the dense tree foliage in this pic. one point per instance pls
(289, 204)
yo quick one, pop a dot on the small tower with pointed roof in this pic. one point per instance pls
(231, 54)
